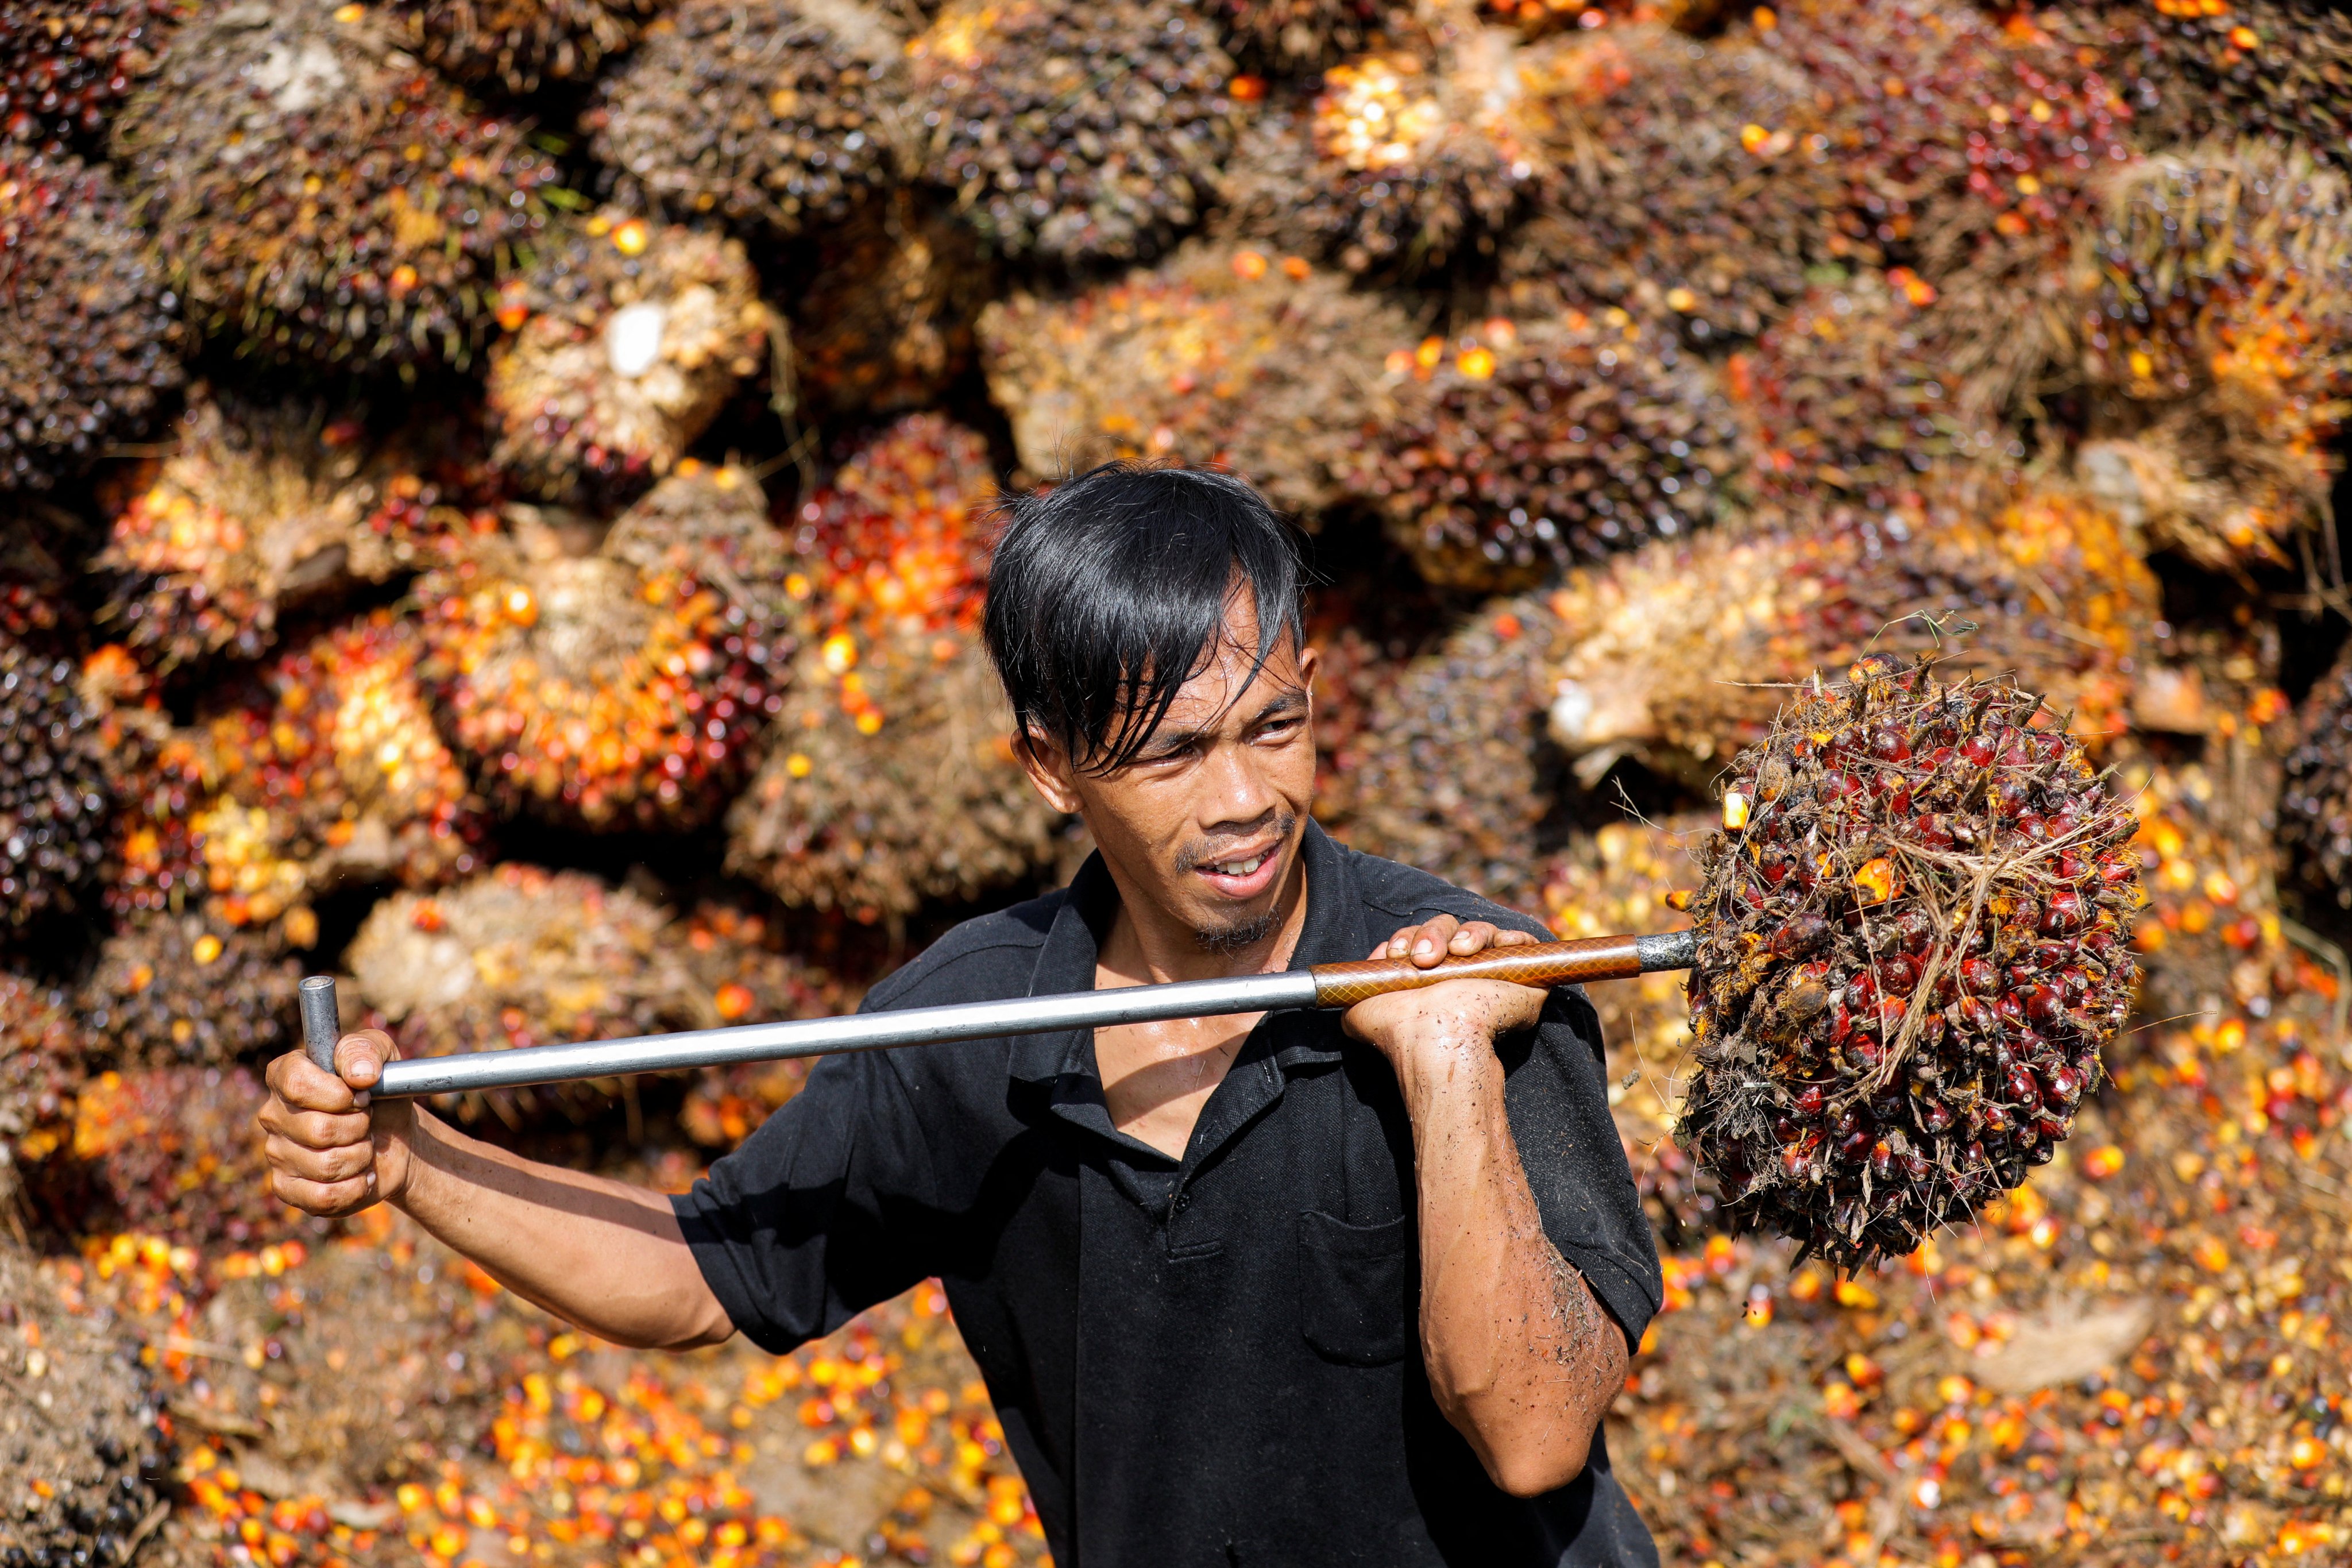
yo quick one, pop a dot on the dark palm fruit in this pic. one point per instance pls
(1074, 130)
(623, 687)
(2204, 332)
(888, 321)
(2315, 814)
(1286, 35)
(65, 63)
(171, 990)
(775, 114)
(1446, 774)
(623, 340)
(317, 194)
(55, 794)
(1693, 185)
(891, 781)
(519, 956)
(259, 505)
(2277, 69)
(519, 44)
(1366, 627)
(1409, 157)
(90, 347)
(1515, 452)
(1221, 357)
(1959, 138)
(94, 1444)
(1839, 1179)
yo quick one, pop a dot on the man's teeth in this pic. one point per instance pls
(1242, 868)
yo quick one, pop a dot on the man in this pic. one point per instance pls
(1242, 1291)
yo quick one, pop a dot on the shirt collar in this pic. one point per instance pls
(1335, 932)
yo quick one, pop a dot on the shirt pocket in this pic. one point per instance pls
(1354, 1288)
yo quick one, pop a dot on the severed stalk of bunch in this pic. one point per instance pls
(1913, 942)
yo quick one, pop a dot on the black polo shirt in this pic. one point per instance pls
(1197, 1362)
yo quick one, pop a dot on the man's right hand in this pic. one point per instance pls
(331, 1152)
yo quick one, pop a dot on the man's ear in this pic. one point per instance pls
(1048, 766)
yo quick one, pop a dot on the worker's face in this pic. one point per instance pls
(1205, 823)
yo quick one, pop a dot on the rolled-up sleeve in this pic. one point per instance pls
(821, 1212)
(1557, 1096)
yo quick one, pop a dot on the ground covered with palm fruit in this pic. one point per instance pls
(494, 504)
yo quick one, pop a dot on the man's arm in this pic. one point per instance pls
(602, 1254)
(1521, 1357)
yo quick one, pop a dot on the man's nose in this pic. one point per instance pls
(1237, 799)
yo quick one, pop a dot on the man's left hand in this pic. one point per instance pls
(1415, 1030)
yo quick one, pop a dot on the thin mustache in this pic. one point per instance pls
(1192, 856)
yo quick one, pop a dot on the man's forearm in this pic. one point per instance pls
(602, 1254)
(1521, 1357)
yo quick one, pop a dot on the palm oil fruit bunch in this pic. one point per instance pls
(43, 1057)
(170, 1151)
(1956, 132)
(1286, 34)
(1859, 390)
(1075, 131)
(519, 44)
(55, 794)
(620, 687)
(781, 113)
(623, 340)
(901, 534)
(1690, 189)
(1412, 157)
(2045, 583)
(174, 989)
(1222, 355)
(65, 64)
(2212, 308)
(1523, 446)
(318, 196)
(2277, 69)
(891, 781)
(2314, 817)
(520, 956)
(1912, 940)
(1447, 774)
(259, 505)
(86, 1438)
(889, 320)
(91, 347)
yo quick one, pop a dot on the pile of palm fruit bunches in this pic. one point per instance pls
(495, 503)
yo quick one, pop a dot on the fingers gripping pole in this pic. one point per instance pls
(321, 1025)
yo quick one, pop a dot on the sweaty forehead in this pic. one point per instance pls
(1231, 679)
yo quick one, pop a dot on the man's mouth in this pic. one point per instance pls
(1243, 876)
(1241, 867)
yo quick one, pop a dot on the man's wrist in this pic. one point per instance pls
(1445, 1065)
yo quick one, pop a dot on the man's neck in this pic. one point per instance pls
(1148, 947)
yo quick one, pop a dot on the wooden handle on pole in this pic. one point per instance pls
(1539, 964)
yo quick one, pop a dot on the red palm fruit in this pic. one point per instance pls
(1895, 1078)
(624, 339)
(900, 536)
(309, 184)
(520, 956)
(1049, 154)
(170, 1151)
(1222, 355)
(44, 1054)
(92, 346)
(773, 114)
(626, 686)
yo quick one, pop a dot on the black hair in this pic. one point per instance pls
(1110, 590)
